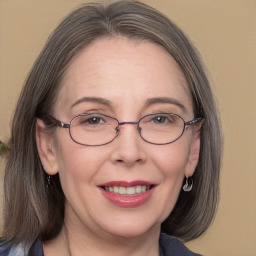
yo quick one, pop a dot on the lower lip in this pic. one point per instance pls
(130, 200)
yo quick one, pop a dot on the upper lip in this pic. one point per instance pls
(127, 183)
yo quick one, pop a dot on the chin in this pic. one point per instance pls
(133, 229)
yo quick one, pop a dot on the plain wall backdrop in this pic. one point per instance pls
(224, 31)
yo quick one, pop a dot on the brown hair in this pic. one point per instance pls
(34, 211)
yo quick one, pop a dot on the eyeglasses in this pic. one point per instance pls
(97, 129)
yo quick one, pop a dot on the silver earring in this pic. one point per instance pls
(188, 184)
(49, 180)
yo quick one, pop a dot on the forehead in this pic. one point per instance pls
(120, 67)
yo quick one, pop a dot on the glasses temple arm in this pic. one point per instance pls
(194, 121)
(52, 121)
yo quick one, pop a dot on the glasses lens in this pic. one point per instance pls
(93, 129)
(161, 128)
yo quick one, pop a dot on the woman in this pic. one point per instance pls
(115, 146)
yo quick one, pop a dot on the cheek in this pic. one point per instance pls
(76, 162)
(78, 169)
(172, 159)
(171, 165)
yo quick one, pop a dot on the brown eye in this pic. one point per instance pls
(94, 120)
(160, 119)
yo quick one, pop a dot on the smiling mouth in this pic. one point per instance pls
(128, 191)
(128, 194)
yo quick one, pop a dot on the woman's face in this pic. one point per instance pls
(124, 79)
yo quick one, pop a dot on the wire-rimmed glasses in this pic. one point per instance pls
(93, 129)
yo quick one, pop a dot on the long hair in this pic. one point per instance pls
(34, 211)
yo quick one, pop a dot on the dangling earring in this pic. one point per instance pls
(49, 180)
(188, 185)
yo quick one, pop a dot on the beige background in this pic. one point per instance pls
(224, 31)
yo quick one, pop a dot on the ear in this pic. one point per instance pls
(193, 157)
(45, 147)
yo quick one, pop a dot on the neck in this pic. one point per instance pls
(67, 240)
(110, 245)
(72, 243)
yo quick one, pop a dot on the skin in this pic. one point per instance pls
(126, 73)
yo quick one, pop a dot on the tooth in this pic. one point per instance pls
(130, 190)
(138, 189)
(143, 188)
(122, 190)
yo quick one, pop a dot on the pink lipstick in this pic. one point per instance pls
(128, 194)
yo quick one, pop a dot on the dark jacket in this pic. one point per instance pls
(168, 246)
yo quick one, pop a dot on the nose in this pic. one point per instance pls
(129, 148)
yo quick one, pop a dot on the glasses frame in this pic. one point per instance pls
(68, 125)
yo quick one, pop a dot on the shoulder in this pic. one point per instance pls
(6, 250)
(170, 246)
(19, 250)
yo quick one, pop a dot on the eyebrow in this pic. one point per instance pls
(165, 100)
(148, 103)
(93, 100)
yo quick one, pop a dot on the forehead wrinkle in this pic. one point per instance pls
(91, 72)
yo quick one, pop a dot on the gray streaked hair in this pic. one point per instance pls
(34, 212)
